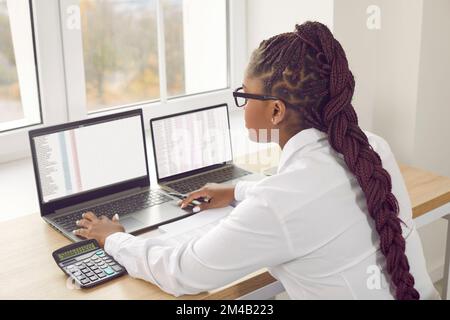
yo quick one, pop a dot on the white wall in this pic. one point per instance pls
(398, 53)
(385, 64)
(432, 130)
(360, 45)
(402, 88)
(266, 18)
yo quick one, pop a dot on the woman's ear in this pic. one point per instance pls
(278, 112)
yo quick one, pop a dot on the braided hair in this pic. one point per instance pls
(308, 68)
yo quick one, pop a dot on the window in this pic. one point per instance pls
(195, 56)
(121, 50)
(19, 99)
(100, 55)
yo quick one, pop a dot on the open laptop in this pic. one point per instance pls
(98, 165)
(194, 148)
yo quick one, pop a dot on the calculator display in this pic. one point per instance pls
(76, 251)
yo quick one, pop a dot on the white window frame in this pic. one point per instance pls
(14, 144)
(19, 13)
(61, 73)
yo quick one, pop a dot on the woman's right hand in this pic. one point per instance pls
(219, 196)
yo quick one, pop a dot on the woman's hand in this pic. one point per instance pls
(217, 195)
(97, 228)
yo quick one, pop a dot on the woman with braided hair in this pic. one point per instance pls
(335, 222)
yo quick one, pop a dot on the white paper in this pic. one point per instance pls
(196, 221)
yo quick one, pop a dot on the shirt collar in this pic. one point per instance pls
(298, 142)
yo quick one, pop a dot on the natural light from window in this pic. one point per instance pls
(120, 50)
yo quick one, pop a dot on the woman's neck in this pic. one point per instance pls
(285, 136)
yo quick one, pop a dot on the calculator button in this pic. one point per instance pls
(117, 268)
(85, 270)
(90, 274)
(94, 268)
(89, 264)
(84, 281)
(86, 260)
(77, 273)
(104, 266)
(98, 271)
(93, 278)
(79, 264)
(108, 260)
(99, 253)
(100, 263)
(101, 275)
(109, 271)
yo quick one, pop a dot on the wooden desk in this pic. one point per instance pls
(31, 237)
(27, 270)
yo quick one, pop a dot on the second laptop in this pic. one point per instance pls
(194, 148)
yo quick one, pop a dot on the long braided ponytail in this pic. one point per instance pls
(309, 69)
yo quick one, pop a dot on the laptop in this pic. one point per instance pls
(194, 148)
(98, 165)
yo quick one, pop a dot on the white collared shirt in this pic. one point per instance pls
(308, 225)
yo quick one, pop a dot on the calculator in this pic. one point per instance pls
(87, 263)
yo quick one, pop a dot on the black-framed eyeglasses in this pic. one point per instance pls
(241, 97)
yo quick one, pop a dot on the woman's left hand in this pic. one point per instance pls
(97, 228)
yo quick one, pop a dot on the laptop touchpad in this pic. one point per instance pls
(130, 224)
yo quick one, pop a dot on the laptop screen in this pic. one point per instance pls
(89, 157)
(191, 141)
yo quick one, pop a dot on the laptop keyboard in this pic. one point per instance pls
(218, 176)
(122, 207)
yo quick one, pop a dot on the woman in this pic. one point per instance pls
(336, 211)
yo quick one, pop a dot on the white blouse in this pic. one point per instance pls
(308, 225)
